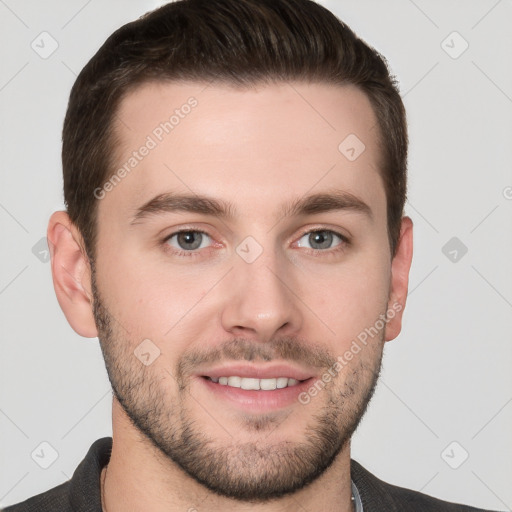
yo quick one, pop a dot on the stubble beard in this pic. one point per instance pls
(257, 471)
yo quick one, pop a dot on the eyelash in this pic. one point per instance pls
(179, 252)
(314, 252)
(345, 242)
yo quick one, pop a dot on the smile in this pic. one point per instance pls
(249, 383)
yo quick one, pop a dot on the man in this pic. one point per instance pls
(234, 176)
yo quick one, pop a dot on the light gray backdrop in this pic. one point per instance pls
(441, 419)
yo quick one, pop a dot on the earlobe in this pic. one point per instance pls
(400, 267)
(71, 274)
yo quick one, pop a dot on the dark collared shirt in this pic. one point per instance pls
(82, 492)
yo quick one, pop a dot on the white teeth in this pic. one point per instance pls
(234, 382)
(282, 382)
(268, 384)
(249, 383)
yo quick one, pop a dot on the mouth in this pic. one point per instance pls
(256, 389)
(255, 384)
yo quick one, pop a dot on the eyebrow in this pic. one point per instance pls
(308, 205)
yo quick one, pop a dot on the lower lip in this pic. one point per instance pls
(258, 400)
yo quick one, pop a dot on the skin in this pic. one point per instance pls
(258, 149)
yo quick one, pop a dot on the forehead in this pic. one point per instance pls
(269, 142)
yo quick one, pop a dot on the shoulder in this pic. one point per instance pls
(80, 493)
(377, 495)
(407, 499)
(51, 500)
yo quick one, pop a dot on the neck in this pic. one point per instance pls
(140, 478)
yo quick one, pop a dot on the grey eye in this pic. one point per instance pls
(189, 240)
(318, 240)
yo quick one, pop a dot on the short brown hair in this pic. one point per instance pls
(238, 42)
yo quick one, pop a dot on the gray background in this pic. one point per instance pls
(446, 378)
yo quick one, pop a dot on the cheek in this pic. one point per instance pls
(160, 301)
(151, 302)
(353, 297)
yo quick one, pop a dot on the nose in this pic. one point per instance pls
(260, 302)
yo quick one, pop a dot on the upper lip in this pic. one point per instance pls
(267, 371)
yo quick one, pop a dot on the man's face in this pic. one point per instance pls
(264, 290)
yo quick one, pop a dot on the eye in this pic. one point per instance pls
(321, 240)
(189, 240)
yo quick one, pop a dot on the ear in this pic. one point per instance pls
(400, 267)
(71, 274)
